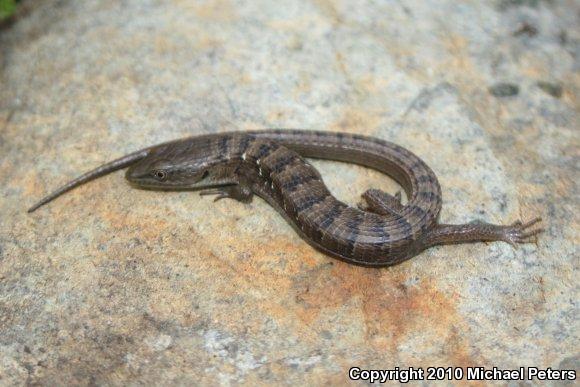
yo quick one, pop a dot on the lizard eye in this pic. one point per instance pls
(160, 175)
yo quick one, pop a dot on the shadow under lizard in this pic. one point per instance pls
(271, 164)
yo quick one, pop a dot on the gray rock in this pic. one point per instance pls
(112, 285)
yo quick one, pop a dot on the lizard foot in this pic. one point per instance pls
(238, 192)
(519, 232)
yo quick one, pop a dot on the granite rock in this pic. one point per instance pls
(112, 285)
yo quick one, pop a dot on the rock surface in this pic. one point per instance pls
(113, 285)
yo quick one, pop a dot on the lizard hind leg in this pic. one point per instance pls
(517, 232)
(382, 203)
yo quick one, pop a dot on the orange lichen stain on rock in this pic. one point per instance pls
(460, 63)
(457, 47)
(258, 289)
(422, 141)
(126, 221)
(269, 265)
(163, 45)
(218, 10)
(329, 10)
(264, 278)
(562, 187)
(33, 187)
(531, 67)
(340, 64)
(296, 254)
(392, 310)
(370, 84)
(357, 121)
(303, 85)
(533, 70)
(568, 93)
(277, 115)
(167, 304)
(206, 42)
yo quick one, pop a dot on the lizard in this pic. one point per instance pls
(271, 164)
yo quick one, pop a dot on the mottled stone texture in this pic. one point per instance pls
(113, 285)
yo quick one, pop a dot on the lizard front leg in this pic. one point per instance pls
(240, 192)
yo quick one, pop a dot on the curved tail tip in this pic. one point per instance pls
(36, 206)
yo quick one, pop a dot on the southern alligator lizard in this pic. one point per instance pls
(270, 164)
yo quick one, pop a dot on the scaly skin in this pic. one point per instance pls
(270, 164)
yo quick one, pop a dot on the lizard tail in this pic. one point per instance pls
(104, 169)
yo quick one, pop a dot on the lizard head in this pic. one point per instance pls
(180, 166)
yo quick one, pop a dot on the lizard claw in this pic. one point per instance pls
(519, 232)
(220, 192)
